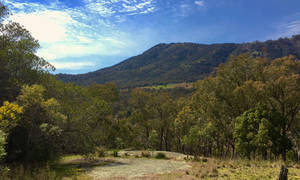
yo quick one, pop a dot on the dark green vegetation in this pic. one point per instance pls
(250, 108)
(181, 62)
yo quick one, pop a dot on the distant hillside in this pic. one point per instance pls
(180, 62)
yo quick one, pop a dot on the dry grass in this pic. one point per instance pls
(78, 168)
(233, 170)
(171, 86)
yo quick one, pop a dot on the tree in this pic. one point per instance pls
(153, 140)
(242, 83)
(142, 115)
(37, 135)
(257, 130)
(19, 65)
(282, 88)
(185, 119)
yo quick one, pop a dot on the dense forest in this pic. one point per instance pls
(249, 108)
(181, 62)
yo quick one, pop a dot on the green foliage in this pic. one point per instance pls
(19, 64)
(181, 62)
(9, 116)
(250, 104)
(116, 153)
(153, 139)
(2, 145)
(153, 111)
(29, 173)
(160, 155)
(256, 130)
(239, 85)
(184, 121)
(37, 135)
(100, 151)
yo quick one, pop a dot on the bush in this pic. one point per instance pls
(146, 154)
(116, 153)
(100, 151)
(89, 157)
(160, 156)
(204, 160)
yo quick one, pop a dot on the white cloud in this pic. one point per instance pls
(287, 27)
(99, 45)
(184, 10)
(200, 3)
(72, 65)
(107, 8)
(292, 28)
(46, 26)
(81, 31)
(101, 9)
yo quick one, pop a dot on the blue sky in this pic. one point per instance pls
(79, 36)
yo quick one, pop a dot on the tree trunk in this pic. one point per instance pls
(283, 155)
(233, 151)
(161, 139)
(283, 173)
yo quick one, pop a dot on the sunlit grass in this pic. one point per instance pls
(75, 167)
(170, 86)
(235, 170)
(70, 157)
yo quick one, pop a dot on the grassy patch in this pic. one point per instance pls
(234, 170)
(171, 86)
(75, 166)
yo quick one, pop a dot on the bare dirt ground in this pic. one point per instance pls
(131, 168)
(138, 168)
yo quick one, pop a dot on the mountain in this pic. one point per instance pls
(181, 62)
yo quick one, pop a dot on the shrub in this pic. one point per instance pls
(89, 157)
(146, 154)
(160, 155)
(100, 151)
(116, 153)
(204, 160)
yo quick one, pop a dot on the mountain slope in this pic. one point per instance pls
(180, 62)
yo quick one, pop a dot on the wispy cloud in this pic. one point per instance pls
(287, 27)
(292, 28)
(184, 10)
(200, 3)
(72, 65)
(124, 7)
(91, 29)
(47, 25)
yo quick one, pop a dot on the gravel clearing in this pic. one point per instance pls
(132, 168)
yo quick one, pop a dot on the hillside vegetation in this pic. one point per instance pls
(248, 109)
(181, 62)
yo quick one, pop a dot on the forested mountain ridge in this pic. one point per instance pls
(249, 108)
(181, 62)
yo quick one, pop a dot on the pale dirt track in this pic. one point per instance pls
(136, 168)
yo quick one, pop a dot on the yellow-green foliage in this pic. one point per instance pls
(2, 143)
(9, 115)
